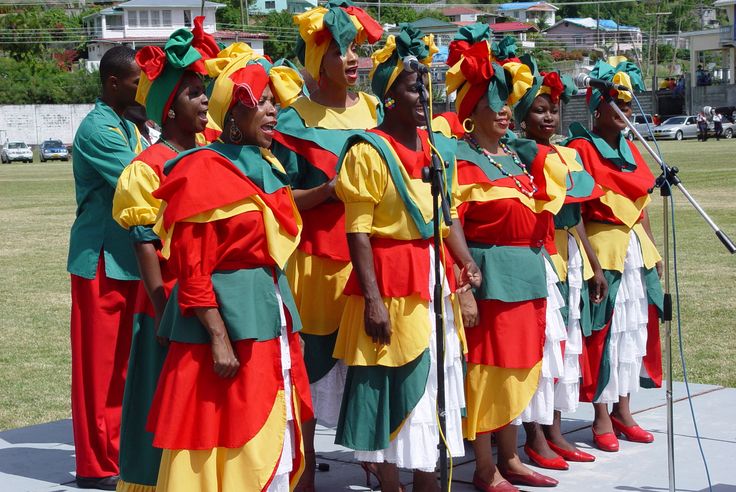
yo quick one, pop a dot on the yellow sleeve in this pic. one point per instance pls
(134, 203)
(361, 184)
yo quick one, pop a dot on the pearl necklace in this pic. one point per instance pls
(530, 193)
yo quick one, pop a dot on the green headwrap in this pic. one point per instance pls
(619, 71)
(388, 61)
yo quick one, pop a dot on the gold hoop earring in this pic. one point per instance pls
(596, 114)
(171, 115)
(465, 125)
(235, 134)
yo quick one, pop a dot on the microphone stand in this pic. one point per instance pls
(665, 182)
(434, 174)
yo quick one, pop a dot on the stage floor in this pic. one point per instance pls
(41, 457)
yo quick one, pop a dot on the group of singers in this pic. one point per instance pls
(287, 265)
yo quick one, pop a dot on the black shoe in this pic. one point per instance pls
(99, 483)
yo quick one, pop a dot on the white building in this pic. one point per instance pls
(260, 7)
(529, 12)
(138, 23)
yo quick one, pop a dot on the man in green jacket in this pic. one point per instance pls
(104, 274)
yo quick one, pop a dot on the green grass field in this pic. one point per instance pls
(37, 209)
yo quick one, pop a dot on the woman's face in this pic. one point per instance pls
(341, 70)
(408, 108)
(489, 123)
(542, 119)
(257, 123)
(190, 104)
(609, 119)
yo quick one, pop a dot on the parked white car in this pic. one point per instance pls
(16, 151)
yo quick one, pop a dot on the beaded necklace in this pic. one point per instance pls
(169, 145)
(530, 193)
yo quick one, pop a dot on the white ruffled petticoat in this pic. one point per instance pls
(541, 407)
(280, 482)
(567, 389)
(628, 339)
(415, 446)
(327, 395)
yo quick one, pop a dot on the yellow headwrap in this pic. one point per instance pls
(340, 21)
(285, 82)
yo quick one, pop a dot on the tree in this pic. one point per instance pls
(44, 82)
(282, 35)
(35, 32)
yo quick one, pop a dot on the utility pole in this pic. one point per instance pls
(655, 83)
(242, 18)
(598, 25)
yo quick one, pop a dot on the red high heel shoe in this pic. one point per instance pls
(576, 455)
(556, 463)
(532, 479)
(633, 433)
(502, 486)
(606, 442)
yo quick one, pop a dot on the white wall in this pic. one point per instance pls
(34, 123)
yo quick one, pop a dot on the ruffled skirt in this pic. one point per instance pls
(567, 389)
(415, 445)
(628, 338)
(541, 406)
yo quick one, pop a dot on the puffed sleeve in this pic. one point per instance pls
(194, 257)
(361, 184)
(133, 206)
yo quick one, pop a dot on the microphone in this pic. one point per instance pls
(411, 64)
(586, 80)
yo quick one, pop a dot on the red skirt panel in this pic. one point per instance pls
(402, 269)
(193, 408)
(323, 233)
(504, 223)
(509, 334)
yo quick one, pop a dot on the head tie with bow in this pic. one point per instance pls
(337, 20)
(242, 76)
(619, 71)
(162, 69)
(388, 62)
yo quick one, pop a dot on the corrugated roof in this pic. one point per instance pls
(605, 24)
(170, 3)
(460, 11)
(512, 27)
(523, 6)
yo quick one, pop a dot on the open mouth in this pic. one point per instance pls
(202, 116)
(268, 128)
(352, 73)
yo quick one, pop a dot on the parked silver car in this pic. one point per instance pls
(677, 127)
(16, 151)
(640, 122)
(681, 127)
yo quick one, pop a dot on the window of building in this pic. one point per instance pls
(143, 18)
(133, 18)
(270, 4)
(578, 40)
(114, 22)
(188, 18)
(166, 18)
(155, 18)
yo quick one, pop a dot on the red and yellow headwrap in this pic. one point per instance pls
(242, 76)
(162, 69)
(474, 73)
(339, 20)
